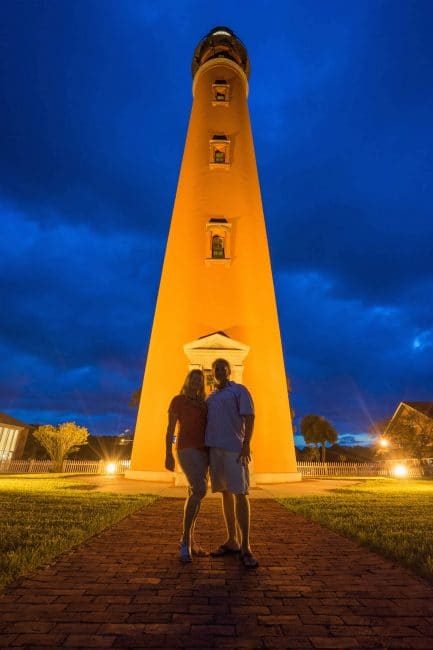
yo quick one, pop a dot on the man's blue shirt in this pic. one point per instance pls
(225, 424)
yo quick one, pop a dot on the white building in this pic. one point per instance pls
(13, 436)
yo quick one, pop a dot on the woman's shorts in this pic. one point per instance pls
(226, 474)
(195, 464)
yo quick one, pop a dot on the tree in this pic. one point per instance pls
(312, 454)
(61, 440)
(317, 430)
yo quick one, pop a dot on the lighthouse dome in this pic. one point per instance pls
(221, 42)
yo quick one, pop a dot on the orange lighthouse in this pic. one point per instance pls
(216, 296)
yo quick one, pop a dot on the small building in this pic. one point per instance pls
(13, 436)
(419, 417)
(423, 410)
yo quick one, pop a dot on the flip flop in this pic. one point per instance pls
(249, 561)
(224, 550)
(184, 554)
(198, 551)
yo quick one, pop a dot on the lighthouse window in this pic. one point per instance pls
(218, 231)
(220, 156)
(217, 247)
(220, 93)
(219, 152)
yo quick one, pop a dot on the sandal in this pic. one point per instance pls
(224, 550)
(248, 560)
(184, 554)
(198, 550)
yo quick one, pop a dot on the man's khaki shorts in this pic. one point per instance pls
(226, 474)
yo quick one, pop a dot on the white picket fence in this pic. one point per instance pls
(307, 469)
(69, 466)
(322, 470)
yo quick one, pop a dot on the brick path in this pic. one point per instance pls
(125, 588)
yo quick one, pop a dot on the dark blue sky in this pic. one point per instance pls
(94, 104)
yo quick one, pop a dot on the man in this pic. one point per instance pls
(229, 428)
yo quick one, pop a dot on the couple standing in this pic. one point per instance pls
(215, 434)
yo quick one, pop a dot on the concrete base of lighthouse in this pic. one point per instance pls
(272, 478)
(152, 477)
(178, 479)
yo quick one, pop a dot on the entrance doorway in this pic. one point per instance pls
(202, 352)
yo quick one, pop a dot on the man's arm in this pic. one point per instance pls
(245, 456)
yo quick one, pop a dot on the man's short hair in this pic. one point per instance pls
(224, 361)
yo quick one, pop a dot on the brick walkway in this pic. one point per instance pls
(125, 588)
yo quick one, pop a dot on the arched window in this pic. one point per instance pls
(219, 152)
(218, 231)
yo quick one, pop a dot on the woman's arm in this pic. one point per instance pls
(169, 458)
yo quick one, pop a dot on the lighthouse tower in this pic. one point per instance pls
(216, 296)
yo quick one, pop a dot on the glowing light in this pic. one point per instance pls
(423, 340)
(384, 442)
(110, 468)
(400, 471)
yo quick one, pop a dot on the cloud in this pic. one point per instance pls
(93, 115)
(348, 360)
(80, 138)
(65, 279)
(349, 440)
(79, 310)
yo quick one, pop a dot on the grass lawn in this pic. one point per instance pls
(393, 517)
(42, 516)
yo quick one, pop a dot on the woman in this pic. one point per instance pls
(189, 410)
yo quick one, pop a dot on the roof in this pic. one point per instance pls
(426, 408)
(212, 333)
(8, 419)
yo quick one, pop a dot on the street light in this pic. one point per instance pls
(110, 468)
(400, 471)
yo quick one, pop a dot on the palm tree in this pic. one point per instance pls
(317, 430)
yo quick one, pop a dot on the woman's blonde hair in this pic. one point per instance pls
(201, 395)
